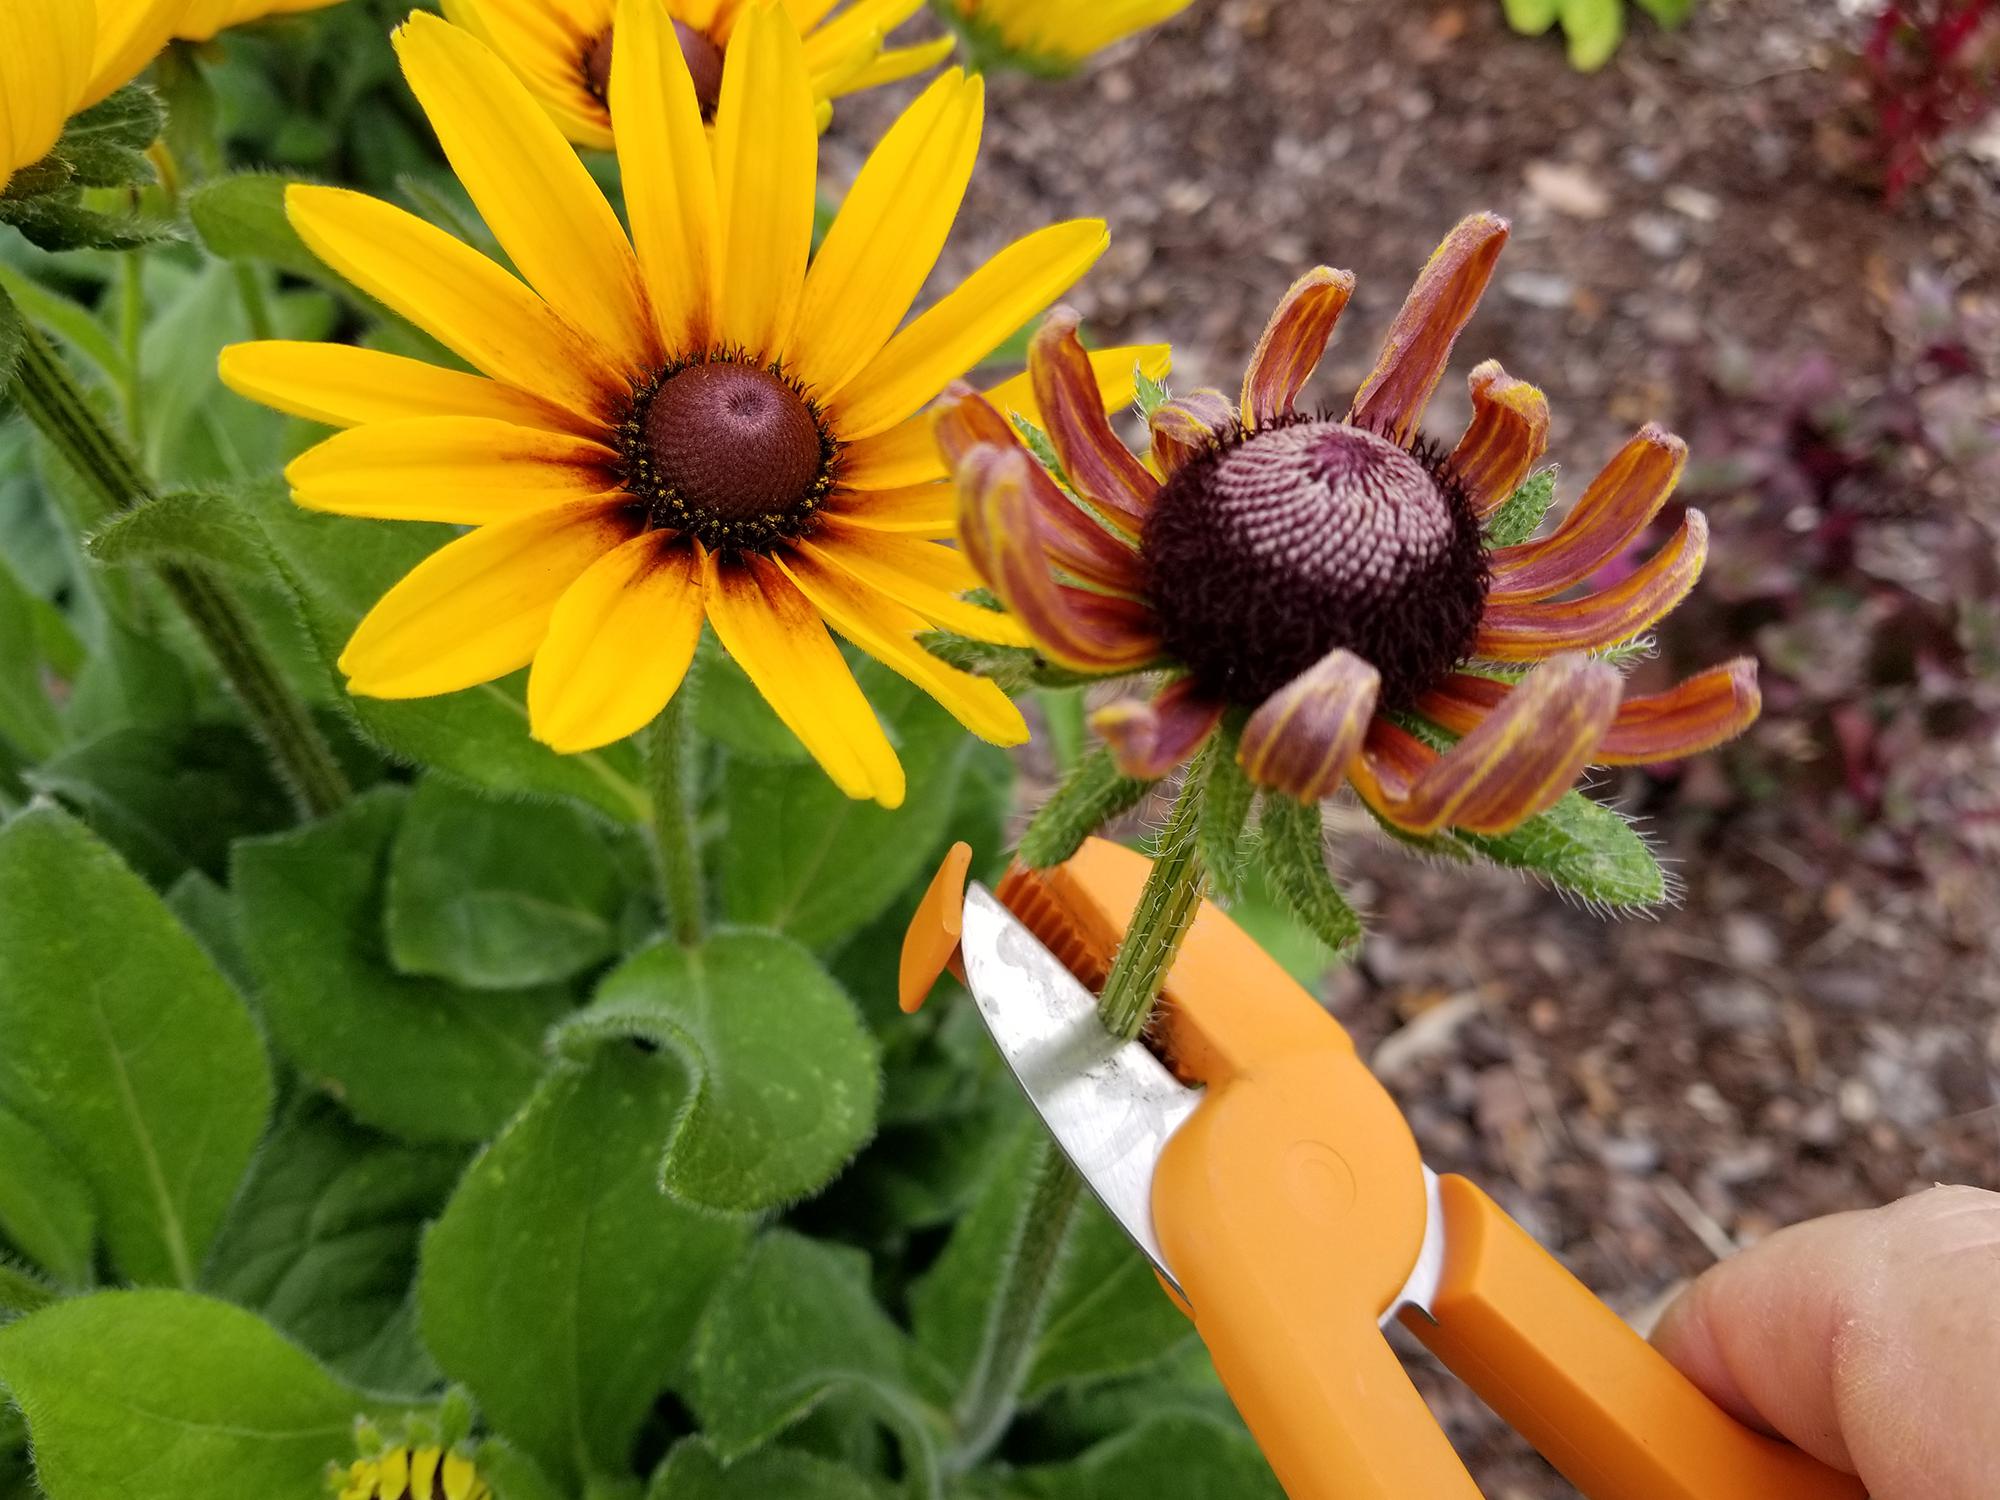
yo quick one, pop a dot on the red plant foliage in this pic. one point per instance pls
(1932, 67)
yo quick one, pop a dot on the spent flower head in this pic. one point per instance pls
(562, 49)
(1330, 584)
(702, 422)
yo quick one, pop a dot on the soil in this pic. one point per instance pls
(1809, 1030)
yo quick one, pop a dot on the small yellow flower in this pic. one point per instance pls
(710, 424)
(426, 1473)
(562, 49)
(59, 57)
(205, 18)
(1059, 34)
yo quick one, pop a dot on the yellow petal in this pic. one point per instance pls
(887, 631)
(455, 294)
(927, 577)
(860, 26)
(966, 325)
(766, 164)
(44, 59)
(461, 1481)
(423, 1470)
(668, 173)
(527, 183)
(470, 471)
(929, 510)
(130, 34)
(618, 645)
(881, 248)
(344, 386)
(894, 65)
(478, 608)
(777, 638)
(545, 46)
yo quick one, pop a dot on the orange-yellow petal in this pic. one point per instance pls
(345, 386)
(466, 470)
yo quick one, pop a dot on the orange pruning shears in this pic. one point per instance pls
(1277, 1190)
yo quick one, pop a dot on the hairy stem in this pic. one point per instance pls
(669, 765)
(56, 404)
(132, 327)
(1173, 894)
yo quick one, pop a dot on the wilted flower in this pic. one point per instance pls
(407, 1473)
(58, 57)
(206, 18)
(709, 428)
(1053, 35)
(562, 49)
(1330, 578)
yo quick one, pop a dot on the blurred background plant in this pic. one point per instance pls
(1592, 29)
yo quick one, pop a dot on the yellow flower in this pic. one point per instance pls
(691, 423)
(58, 57)
(205, 18)
(562, 49)
(413, 1474)
(1059, 34)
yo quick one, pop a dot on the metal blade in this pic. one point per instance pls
(1110, 1105)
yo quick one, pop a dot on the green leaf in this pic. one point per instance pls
(13, 339)
(1582, 847)
(1594, 29)
(794, 1325)
(202, 527)
(1521, 514)
(693, 1472)
(323, 1241)
(125, 1047)
(45, 1204)
(27, 717)
(1015, 670)
(783, 1074)
(730, 710)
(105, 146)
(496, 896)
(57, 222)
(242, 218)
(1185, 1456)
(21, 1292)
(951, 1305)
(1669, 13)
(1294, 860)
(824, 864)
(561, 1285)
(1531, 17)
(1108, 1315)
(1226, 797)
(64, 320)
(416, 1057)
(1091, 796)
(144, 1395)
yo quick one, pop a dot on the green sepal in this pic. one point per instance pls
(1226, 798)
(22, 1292)
(1521, 514)
(1013, 669)
(105, 146)
(1152, 394)
(243, 218)
(1091, 796)
(1295, 863)
(58, 221)
(1584, 848)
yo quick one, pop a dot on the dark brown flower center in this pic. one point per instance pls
(733, 454)
(704, 61)
(1269, 552)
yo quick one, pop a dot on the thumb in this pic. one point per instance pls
(1871, 1340)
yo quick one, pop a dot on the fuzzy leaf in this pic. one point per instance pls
(13, 339)
(1582, 847)
(783, 1075)
(417, 1057)
(729, 709)
(124, 1046)
(693, 1472)
(495, 896)
(1521, 514)
(105, 146)
(1295, 863)
(27, 717)
(45, 1205)
(561, 1285)
(1186, 1456)
(323, 1241)
(794, 1325)
(21, 1292)
(202, 527)
(1091, 796)
(133, 1395)
(58, 221)
(1225, 812)
(242, 218)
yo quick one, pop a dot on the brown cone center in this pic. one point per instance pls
(704, 63)
(1267, 554)
(733, 451)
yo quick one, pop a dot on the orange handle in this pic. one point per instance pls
(1595, 1399)
(1288, 1242)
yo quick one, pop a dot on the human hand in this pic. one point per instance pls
(1871, 1340)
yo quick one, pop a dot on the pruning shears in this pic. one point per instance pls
(1277, 1190)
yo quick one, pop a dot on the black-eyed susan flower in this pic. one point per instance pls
(413, 1473)
(1052, 35)
(562, 49)
(1327, 577)
(59, 57)
(701, 421)
(206, 19)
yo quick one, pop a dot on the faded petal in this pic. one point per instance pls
(1514, 631)
(1148, 740)
(1705, 711)
(1104, 471)
(1188, 426)
(1293, 342)
(1508, 434)
(1619, 504)
(1302, 738)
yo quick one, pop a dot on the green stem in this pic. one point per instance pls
(1173, 894)
(669, 764)
(992, 1392)
(58, 407)
(256, 306)
(132, 327)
